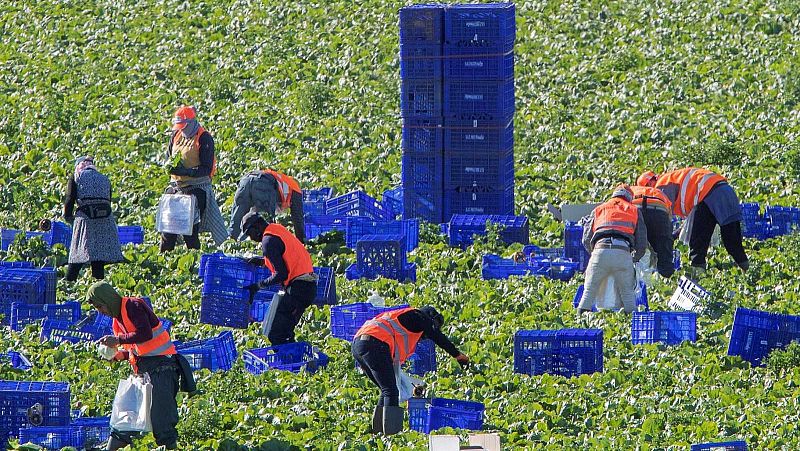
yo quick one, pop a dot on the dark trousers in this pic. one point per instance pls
(164, 410)
(375, 358)
(192, 241)
(659, 235)
(703, 228)
(98, 270)
(299, 295)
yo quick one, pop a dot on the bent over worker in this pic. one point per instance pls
(291, 268)
(268, 192)
(616, 237)
(656, 210)
(149, 349)
(707, 199)
(386, 341)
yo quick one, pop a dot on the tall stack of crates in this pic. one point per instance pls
(421, 51)
(478, 109)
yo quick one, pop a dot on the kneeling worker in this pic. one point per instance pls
(291, 267)
(616, 229)
(386, 341)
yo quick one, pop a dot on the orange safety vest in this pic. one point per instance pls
(194, 160)
(286, 186)
(694, 183)
(387, 328)
(652, 197)
(616, 214)
(296, 257)
(160, 344)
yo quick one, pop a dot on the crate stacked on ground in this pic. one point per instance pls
(59, 233)
(21, 285)
(314, 200)
(225, 301)
(382, 256)
(293, 357)
(338, 209)
(131, 234)
(421, 88)
(573, 245)
(565, 352)
(393, 202)
(641, 298)
(23, 314)
(462, 227)
(427, 415)
(17, 397)
(782, 220)
(217, 353)
(82, 433)
(670, 328)
(755, 334)
(496, 267)
(478, 109)
(48, 296)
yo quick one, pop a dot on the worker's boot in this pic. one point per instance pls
(392, 419)
(377, 420)
(114, 444)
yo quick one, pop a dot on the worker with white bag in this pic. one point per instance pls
(146, 400)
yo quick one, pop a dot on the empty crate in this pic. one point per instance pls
(462, 228)
(217, 353)
(566, 352)
(292, 357)
(357, 228)
(479, 28)
(355, 203)
(670, 328)
(16, 397)
(347, 319)
(427, 415)
(755, 334)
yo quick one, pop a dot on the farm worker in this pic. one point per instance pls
(385, 342)
(656, 210)
(191, 166)
(291, 268)
(616, 229)
(706, 199)
(268, 192)
(149, 349)
(94, 229)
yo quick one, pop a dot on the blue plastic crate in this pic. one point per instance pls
(222, 310)
(496, 267)
(292, 357)
(422, 135)
(641, 299)
(780, 218)
(462, 228)
(314, 200)
(326, 286)
(52, 437)
(755, 334)
(60, 233)
(393, 202)
(565, 352)
(96, 431)
(443, 412)
(316, 225)
(7, 264)
(383, 255)
(23, 288)
(357, 228)
(424, 205)
(23, 314)
(418, 413)
(422, 24)
(407, 274)
(750, 210)
(50, 276)
(477, 136)
(423, 360)
(421, 97)
(738, 445)
(217, 353)
(131, 234)
(478, 65)
(478, 200)
(573, 245)
(227, 276)
(204, 259)
(670, 328)
(478, 168)
(7, 237)
(533, 252)
(561, 269)
(17, 397)
(347, 319)
(478, 99)
(260, 306)
(63, 331)
(480, 28)
(15, 360)
(421, 61)
(355, 203)
(422, 185)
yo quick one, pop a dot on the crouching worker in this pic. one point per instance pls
(291, 267)
(616, 237)
(149, 349)
(386, 341)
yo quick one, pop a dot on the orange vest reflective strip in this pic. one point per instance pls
(652, 197)
(177, 137)
(694, 183)
(616, 214)
(295, 255)
(286, 185)
(387, 328)
(159, 344)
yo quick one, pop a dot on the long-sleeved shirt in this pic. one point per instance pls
(259, 190)
(206, 155)
(638, 240)
(416, 321)
(273, 248)
(142, 318)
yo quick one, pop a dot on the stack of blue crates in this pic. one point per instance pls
(382, 256)
(16, 397)
(338, 209)
(478, 96)
(421, 89)
(26, 287)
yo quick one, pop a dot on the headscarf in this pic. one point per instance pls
(82, 163)
(102, 293)
(191, 127)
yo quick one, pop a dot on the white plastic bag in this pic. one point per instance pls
(405, 383)
(131, 408)
(269, 318)
(176, 214)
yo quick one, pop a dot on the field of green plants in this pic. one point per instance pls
(604, 90)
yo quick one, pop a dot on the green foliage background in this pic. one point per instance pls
(604, 90)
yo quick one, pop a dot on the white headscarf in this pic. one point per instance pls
(82, 163)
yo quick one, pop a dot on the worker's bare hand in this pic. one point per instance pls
(463, 360)
(110, 341)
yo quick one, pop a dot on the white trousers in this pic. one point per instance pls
(616, 264)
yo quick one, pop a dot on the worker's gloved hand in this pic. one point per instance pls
(258, 261)
(180, 170)
(253, 288)
(463, 360)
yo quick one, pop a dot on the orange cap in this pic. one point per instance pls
(648, 178)
(182, 115)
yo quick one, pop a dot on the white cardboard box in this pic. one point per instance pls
(487, 442)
